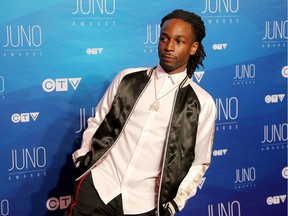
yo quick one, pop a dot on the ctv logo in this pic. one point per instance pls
(284, 71)
(219, 46)
(24, 117)
(274, 98)
(202, 183)
(54, 203)
(285, 172)
(199, 75)
(275, 200)
(94, 51)
(61, 84)
(220, 152)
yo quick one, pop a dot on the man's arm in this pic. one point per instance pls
(203, 150)
(101, 111)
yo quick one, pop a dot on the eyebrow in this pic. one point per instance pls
(163, 33)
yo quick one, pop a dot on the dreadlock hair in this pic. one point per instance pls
(198, 29)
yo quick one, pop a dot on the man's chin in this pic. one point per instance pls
(167, 68)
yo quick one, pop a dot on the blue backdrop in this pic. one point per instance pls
(57, 58)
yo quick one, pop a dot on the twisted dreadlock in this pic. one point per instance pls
(198, 29)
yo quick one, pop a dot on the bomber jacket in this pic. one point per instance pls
(188, 147)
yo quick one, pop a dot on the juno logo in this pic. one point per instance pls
(152, 38)
(2, 84)
(227, 113)
(228, 209)
(218, 6)
(95, 7)
(275, 33)
(94, 12)
(221, 11)
(23, 40)
(60, 85)
(23, 36)
(4, 207)
(24, 117)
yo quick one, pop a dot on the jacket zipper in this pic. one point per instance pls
(164, 155)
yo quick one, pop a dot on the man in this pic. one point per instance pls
(149, 144)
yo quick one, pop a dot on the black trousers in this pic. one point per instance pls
(87, 202)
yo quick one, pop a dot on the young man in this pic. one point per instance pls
(150, 142)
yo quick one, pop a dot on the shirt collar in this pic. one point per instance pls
(178, 77)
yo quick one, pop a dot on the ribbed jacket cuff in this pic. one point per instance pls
(174, 206)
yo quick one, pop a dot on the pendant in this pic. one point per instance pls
(154, 106)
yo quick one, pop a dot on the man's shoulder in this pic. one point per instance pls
(201, 93)
(133, 70)
(128, 71)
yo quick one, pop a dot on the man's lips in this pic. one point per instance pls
(168, 57)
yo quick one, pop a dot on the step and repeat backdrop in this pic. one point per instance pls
(58, 57)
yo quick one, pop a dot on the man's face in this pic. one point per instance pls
(176, 45)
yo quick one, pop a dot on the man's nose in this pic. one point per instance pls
(170, 46)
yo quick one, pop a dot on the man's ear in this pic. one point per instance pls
(194, 48)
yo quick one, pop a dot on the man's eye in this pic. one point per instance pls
(163, 39)
(179, 42)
